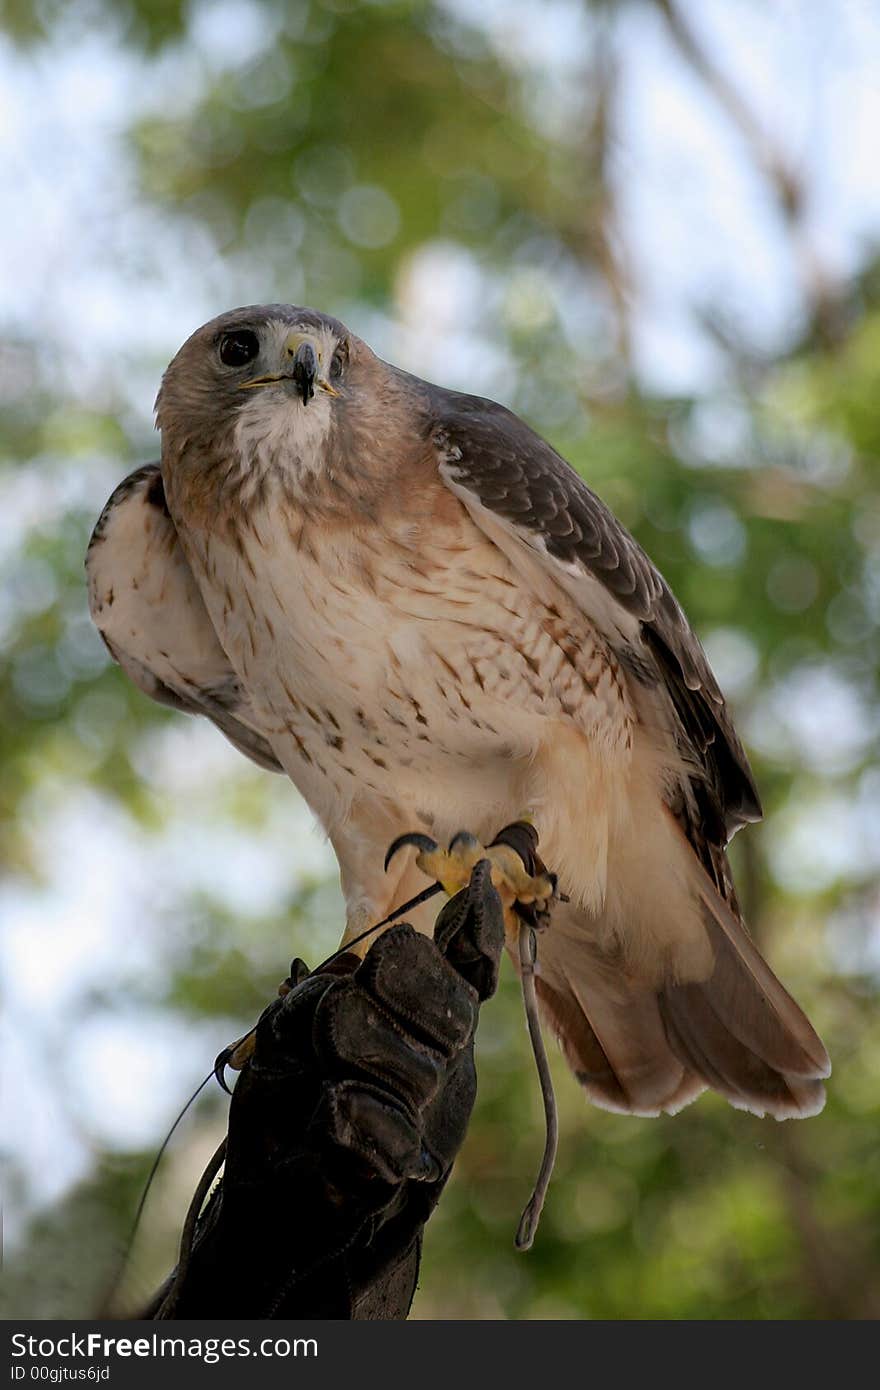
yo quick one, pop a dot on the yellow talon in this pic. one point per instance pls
(243, 1051)
(509, 876)
(452, 869)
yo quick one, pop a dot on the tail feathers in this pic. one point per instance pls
(701, 1039)
(642, 1048)
(608, 1025)
(742, 1031)
(752, 1003)
(615, 1074)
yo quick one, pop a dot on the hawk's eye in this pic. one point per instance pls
(340, 357)
(238, 348)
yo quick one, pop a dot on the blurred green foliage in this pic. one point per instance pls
(356, 135)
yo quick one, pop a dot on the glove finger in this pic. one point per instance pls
(364, 1121)
(283, 1040)
(353, 1032)
(470, 931)
(289, 1020)
(407, 973)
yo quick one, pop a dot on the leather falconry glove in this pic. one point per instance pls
(344, 1127)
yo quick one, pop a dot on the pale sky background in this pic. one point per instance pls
(112, 287)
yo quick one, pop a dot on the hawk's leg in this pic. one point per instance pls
(370, 892)
(527, 890)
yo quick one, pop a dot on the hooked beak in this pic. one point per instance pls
(304, 371)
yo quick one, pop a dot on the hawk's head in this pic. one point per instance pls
(270, 387)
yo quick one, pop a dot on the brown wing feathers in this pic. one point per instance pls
(741, 1029)
(632, 1046)
(145, 603)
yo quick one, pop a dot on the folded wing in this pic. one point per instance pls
(638, 1041)
(145, 603)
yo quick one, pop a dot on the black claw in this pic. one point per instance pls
(413, 837)
(299, 971)
(523, 838)
(226, 1058)
(463, 837)
(221, 1063)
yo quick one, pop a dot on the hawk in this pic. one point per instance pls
(406, 600)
